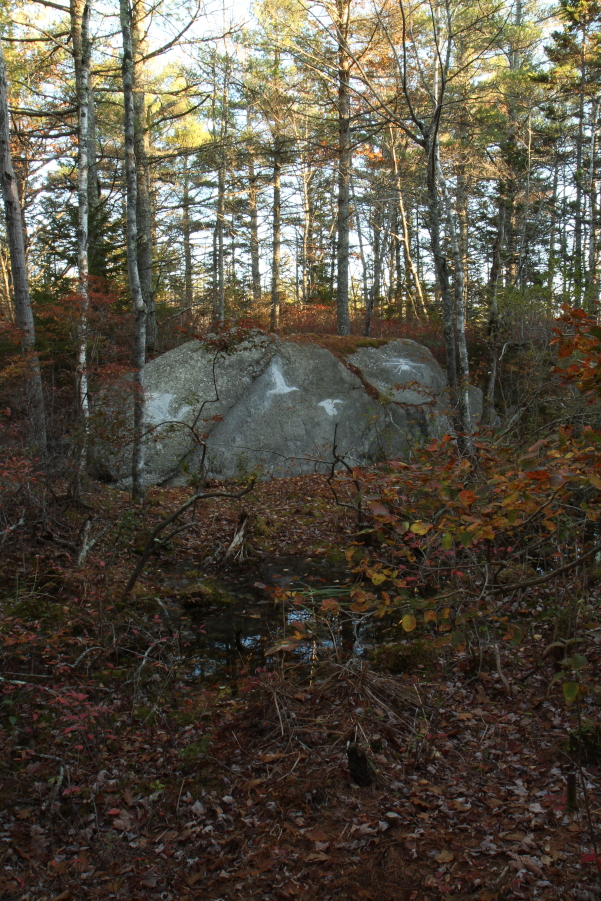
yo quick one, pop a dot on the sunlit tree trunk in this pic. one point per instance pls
(135, 287)
(343, 324)
(277, 236)
(142, 152)
(82, 49)
(16, 244)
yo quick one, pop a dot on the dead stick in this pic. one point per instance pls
(164, 523)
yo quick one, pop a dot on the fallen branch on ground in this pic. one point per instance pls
(151, 546)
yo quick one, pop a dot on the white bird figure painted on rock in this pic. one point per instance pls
(279, 382)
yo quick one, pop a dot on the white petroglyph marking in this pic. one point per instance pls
(401, 366)
(157, 407)
(279, 382)
(329, 405)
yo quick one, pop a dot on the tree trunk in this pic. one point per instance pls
(361, 250)
(142, 152)
(219, 293)
(489, 411)
(135, 287)
(460, 339)
(344, 168)
(436, 212)
(592, 275)
(410, 267)
(277, 237)
(254, 232)
(378, 245)
(186, 233)
(82, 49)
(16, 244)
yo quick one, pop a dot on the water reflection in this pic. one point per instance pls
(230, 621)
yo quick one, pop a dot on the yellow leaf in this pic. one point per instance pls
(508, 501)
(430, 616)
(421, 528)
(595, 480)
(377, 578)
(408, 622)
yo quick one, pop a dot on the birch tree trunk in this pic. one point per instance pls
(344, 168)
(16, 244)
(82, 49)
(135, 287)
(489, 412)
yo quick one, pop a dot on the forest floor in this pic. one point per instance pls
(126, 774)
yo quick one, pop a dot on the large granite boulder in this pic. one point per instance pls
(285, 407)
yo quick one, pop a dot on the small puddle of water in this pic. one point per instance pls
(231, 618)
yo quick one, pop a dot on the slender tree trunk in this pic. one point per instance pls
(406, 239)
(592, 275)
(436, 213)
(441, 267)
(16, 244)
(306, 177)
(219, 296)
(186, 233)
(142, 151)
(361, 250)
(7, 300)
(277, 236)
(135, 286)
(344, 168)
(254, 232)
(378, 246)
(553, 231)
(82, 50)
(458, 291)
(489, 411)
(219, 287)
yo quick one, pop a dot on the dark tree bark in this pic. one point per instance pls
(254, 232)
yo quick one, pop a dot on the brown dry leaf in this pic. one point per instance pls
(322, 846)
(316, 835)
(123, 821)
(62, 897)
(191, 880)
(128, 797)
(24, 812)
(317, 856)
(445, 856)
